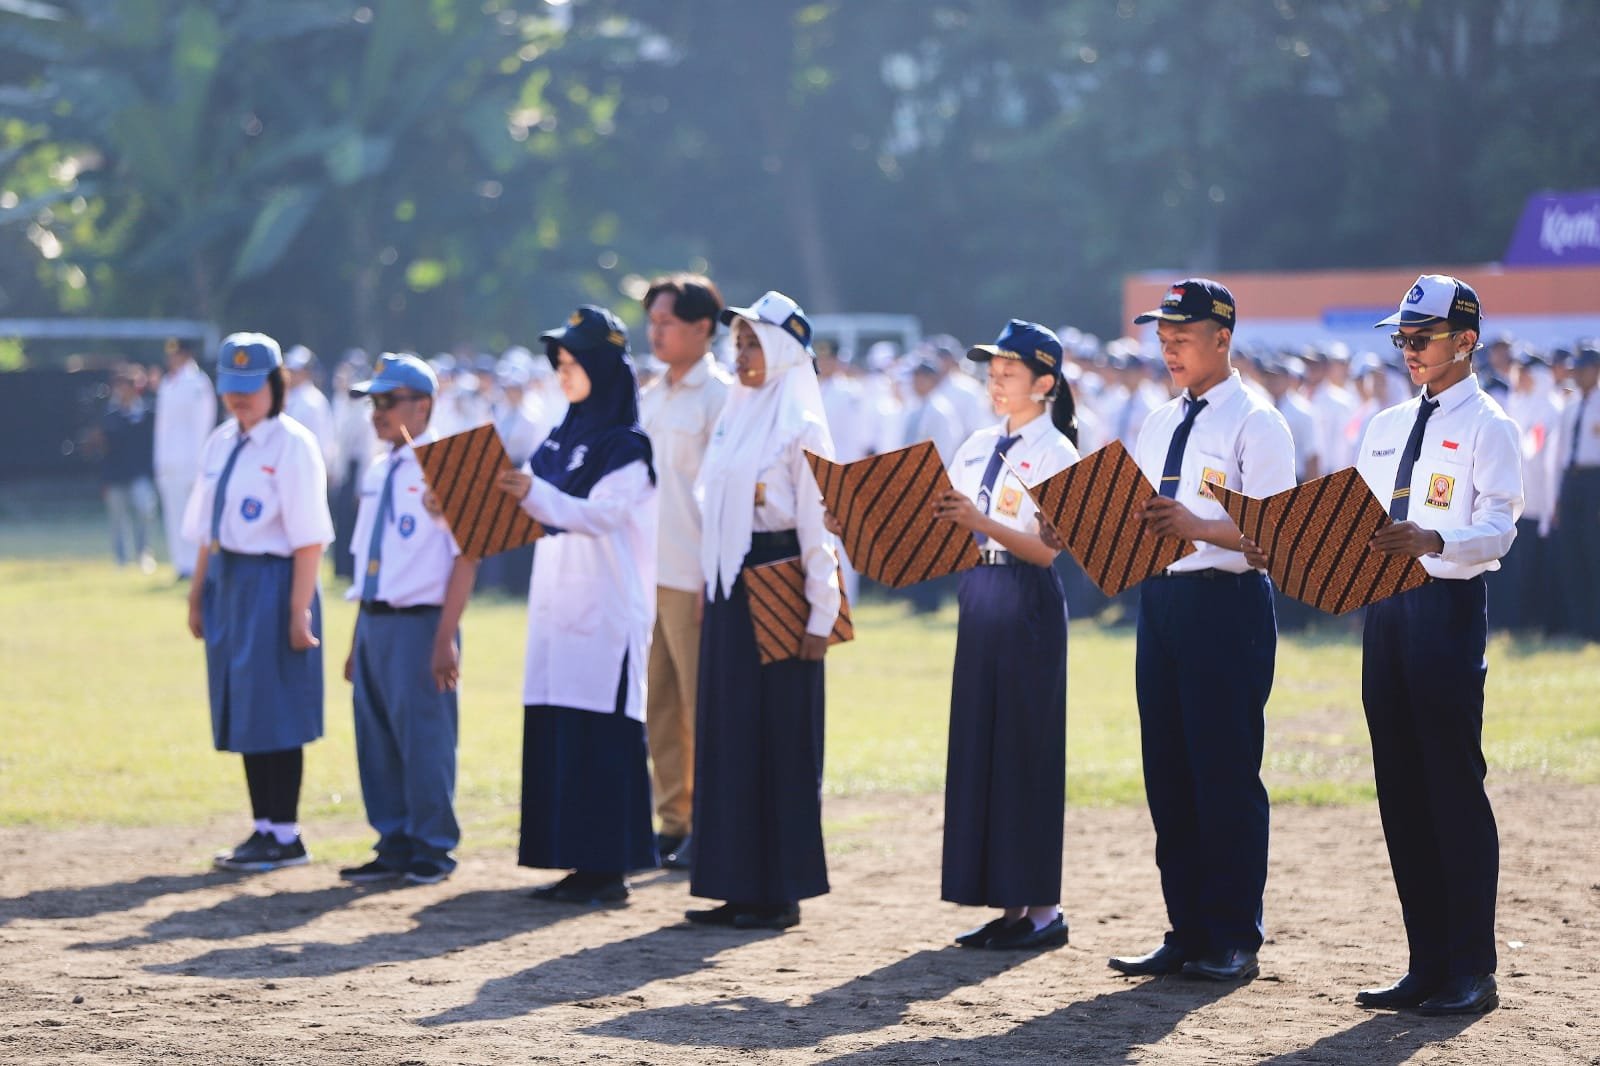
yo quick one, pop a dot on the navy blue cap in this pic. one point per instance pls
(590, 329)
(775, 309)
(245, 360)
(1034, 345)
(1585, 357)
(1194, 300)
(399, 372)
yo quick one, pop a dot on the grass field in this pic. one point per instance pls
(102, 693)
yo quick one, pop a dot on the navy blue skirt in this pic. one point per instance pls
(265, 696)
(1005, 778)
(758, 763)
(585, 791)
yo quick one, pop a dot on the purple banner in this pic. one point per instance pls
(1557, 229)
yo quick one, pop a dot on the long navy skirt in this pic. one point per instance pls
(265, 696)
(758, 763)
(585, 790)
(1005, 781)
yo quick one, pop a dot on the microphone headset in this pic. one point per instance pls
(1458, 357)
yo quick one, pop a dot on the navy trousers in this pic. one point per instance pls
(1005, 778)
(757, 764)
(1578, 548)
(1203, 670)
(1422, 673)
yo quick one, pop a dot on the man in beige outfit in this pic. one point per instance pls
(678, 410)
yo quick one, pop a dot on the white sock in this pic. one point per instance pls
(1042, 920)
(263, 826)
(284, 832)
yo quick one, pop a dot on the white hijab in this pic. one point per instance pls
(756, 427)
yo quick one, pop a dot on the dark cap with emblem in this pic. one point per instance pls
(1194, 300)
(590, 329)
(1035, 346)
(775, 309)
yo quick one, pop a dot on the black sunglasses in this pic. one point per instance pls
(1417, 342)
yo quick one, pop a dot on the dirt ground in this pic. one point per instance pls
(123, 948)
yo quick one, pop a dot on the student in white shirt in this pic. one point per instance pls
(412, 586)
(306, 404)
(1005, 784)
(1207, 642)
(1575, 467)
(259, 509)
(1448, 463)
(186, 412)
(679, 410)
(591, 605)
(759, 729)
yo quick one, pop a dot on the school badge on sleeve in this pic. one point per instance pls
(1441, 489)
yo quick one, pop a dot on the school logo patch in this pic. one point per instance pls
(1441, 489)
(407, 525)
(761, 494)
(250, 508)
(1209, 477)
(1010, 501)
(578, 455)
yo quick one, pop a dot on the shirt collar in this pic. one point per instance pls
(265, 430)
(697, 374)
(1029, 432)
(1457, 394)
(1221, 392)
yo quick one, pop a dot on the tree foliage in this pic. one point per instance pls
(421, 173)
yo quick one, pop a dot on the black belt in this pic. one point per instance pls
(1210, 573)
(997, 557)
(380, 607)
(778, 540)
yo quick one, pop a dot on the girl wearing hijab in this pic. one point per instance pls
(260, 511)
(758, 759)
(591, 605)
(1005, 782)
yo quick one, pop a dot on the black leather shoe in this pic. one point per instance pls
(776, 916)
(1409, 991)
(1022, 936)
(725, 914)
(582, 887)
(980, 937)
(1168, 958)
(1235, 964)
(667, 843)
(1463, 995)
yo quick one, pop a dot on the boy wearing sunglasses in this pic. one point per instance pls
(412, 583)
(1448, 463)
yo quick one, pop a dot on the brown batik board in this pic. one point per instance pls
(460, 471)
(779, 610)
(1315, 538)
(884, 505)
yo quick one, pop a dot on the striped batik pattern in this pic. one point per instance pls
(779, 610)
(461, 471)
(1315, 538)
(885, 507)
(1093, 506)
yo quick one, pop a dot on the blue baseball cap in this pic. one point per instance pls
(245, 360)
(1194, 300)
(399, 372)
(1035, 346)
(775, 309)
(589, 329)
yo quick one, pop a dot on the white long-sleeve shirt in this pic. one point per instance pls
(1467, 485)
(186, 412)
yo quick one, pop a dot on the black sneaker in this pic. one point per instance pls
(680, 857)
(581, 887)
(262, 852)
(775, 916)
(424, 872)
(667, 843)
(726, 914)
(369, 873)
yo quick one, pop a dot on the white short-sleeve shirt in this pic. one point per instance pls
(1041, 452)
(417, 551)
(277, 495)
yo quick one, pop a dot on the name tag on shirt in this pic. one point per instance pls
(1379, 453)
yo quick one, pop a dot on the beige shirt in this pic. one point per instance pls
(679, 419)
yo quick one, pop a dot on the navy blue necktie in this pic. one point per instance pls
(1400, 502)
(369, 584)
(990, 473)
(1172, 472)
(1577, 431)
(219, 497)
